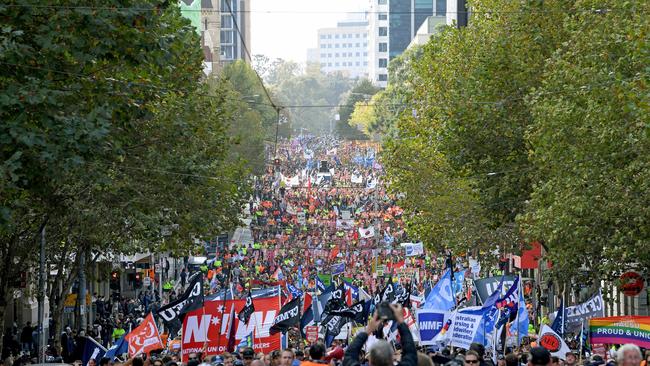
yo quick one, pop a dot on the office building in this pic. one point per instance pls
(392, 26)
(214, 21)
(344, 48)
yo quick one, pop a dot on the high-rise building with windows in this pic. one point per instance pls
(344, 48)
(392, 26)
(215, 22)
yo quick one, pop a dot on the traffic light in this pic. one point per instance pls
(115, 281)
(138, 280)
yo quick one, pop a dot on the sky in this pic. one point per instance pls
(287, 28)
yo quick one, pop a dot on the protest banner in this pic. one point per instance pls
(209, 326)
(620, 330)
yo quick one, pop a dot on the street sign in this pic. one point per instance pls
(146, 281)
(311, 333)
(631, 283)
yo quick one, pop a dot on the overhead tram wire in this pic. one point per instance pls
(259, 78)
(307, 12)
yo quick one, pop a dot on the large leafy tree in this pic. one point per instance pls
(590, 144)
(107, 136)
(361, 93)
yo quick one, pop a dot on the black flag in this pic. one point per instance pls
(191, 299)
(357, 312)
(248, 310)
(288, 317)
(335, 302)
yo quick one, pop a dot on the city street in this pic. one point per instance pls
(340, 182)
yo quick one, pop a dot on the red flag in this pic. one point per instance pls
(334, 253)
(144, 338)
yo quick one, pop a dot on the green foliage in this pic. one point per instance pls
(309, 96)
(530, 124)
(108, 137)
(362, 92)
(254, 119)
(590, 144)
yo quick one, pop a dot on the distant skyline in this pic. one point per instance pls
(287, 28)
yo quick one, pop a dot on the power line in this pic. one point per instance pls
(307, 12)
(259, 78)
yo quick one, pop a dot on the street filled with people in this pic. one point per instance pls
(331, 261)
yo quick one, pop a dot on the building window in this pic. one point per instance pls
(226, 37)
(358, 54)
(357, 44)
(336, 36)
(329, 55)
(365, 35)
(382, 16)
(382, 2)
(329, 45)
(383, 31)
(358, 35)
(382, 77)
(365, 63)
(365, 44)
(336, 54)
(329, 36)
(227, 52)
(336, 45)
(345, 45)
(383, 47)
(350, 45)
(322, 36)
(358, 63)
(323, 55)
(336, 64)
(226, 21)
(329, 64)
(323, 46)
(365, 54)
(383, 62)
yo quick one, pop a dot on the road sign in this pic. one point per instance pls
(146, 281)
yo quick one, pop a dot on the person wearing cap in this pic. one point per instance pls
(539, 356)
(247, 355)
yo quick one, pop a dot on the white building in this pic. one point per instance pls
(378, 42)
(344, 48)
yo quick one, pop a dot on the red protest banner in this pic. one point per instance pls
(209, 326)
(144, 338)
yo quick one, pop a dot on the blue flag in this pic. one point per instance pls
(522, 318)
(119, 348)
(559, 322)
(294, 290)
(338, 268)
(441, 297)
(320, 285)
(92, 351)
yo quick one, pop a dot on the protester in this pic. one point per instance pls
(381, 352)
(316, 355)
(628, 355)
(286, 357)
(539, 356)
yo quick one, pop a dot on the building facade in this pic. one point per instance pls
(344, 48)
(393, 24)
(216, 21)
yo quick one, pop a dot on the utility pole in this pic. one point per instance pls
(41, 301)
(82, 291)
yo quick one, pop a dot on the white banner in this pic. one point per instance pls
(413, 249)
(368, 232)
(463, 329)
